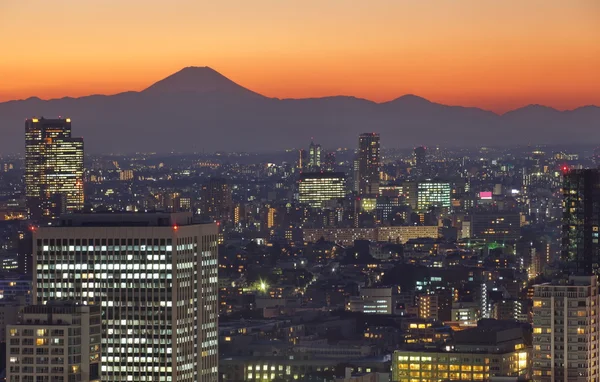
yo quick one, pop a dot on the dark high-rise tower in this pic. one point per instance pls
(581, 221)
(368, 164)
(216, 199)
(420, 154)
(53, 168)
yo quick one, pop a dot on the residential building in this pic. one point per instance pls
(566, 330)
(57, 342)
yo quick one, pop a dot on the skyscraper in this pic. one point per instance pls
(581, 221)
(368, 164)
(55, 342)
(155, 277)
(53, 168)
(314, 156)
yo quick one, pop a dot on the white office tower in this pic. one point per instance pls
(154, 276)
(566, 330)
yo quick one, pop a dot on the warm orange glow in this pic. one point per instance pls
(496, 55)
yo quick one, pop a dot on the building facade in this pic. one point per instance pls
(347, 236)
(433, 194)
(155, 277)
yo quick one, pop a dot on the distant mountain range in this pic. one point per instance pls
(198, 109)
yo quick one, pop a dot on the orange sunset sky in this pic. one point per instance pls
(497, 55)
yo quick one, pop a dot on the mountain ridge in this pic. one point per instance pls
(215, 73)
(200, 107)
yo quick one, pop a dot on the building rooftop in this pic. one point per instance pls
(322, 175)
(126, 219)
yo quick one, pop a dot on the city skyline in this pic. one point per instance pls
(497, 57)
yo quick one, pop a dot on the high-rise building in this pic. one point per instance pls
(302, 159)
(57, 342)
(328, 162)
(565, 331)
(433, 194)
(420, 156)
(53, 168)
(314, 156)
(581, 221)
(216, 199)
(155, 277)
(369, 162)
(315, 188)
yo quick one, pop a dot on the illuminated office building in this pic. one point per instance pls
(315, 188)
(433, 194)
(155, 277)
(565, 331)
(53, 168)
(369, 162)
(492, 349)
(581, 221)
(56, 342)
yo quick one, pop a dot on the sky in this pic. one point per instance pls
(497, 55)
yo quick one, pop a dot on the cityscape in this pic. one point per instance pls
(305, 238)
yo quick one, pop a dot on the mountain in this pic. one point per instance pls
(198, 80)
(198, 109)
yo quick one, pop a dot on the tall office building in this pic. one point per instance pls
(566, 331)
(369, 162)
(155, 277)
(314, 156)
(581, 221)
(53, 168)
(316, 188)
(57, 342)
(216, 199)
(433, 194)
